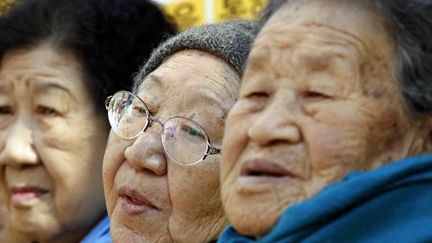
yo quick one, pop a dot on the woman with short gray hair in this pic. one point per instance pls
(161, 165)
(329, 139)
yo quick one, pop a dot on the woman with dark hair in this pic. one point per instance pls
(59, 59)
(330, 139)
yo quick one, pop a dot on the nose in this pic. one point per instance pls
(147, 154)
(18, 149)
(278, 123)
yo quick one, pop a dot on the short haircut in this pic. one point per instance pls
(411, 23)
(110, 38)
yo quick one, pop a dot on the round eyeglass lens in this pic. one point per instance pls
(184, 141)
(127, 115)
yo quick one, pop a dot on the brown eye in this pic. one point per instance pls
(139, 111)
(257, 95)
(46, 111)
(5, 110)
(315, 95)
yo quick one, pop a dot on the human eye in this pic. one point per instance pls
(5, 110)
(315, 101)
(139, 110)
(190, 130)
(315, 94)
(254, 100)
(46, 111)
(52, 104)
(257, 95)
(193, 133)
(255, 90)
(6, 114)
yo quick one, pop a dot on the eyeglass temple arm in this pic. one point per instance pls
(107, 101)
(212, 150)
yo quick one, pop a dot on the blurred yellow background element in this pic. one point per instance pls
(186, 13)
(189, 13)
(5, 5)
(233, 9)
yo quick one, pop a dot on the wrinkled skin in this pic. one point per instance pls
(186, 199)
(318, 100)
(3, 233)
(52, 141)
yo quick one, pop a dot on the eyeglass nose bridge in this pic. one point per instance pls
(151, 121)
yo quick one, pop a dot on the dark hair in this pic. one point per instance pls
(110, 38)
(411, 22)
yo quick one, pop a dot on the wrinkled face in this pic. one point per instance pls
(318, 100)
(51, 146)
(2, 219)
(149, 197)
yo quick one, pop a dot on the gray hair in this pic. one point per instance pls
(411, 22)
(231, 41)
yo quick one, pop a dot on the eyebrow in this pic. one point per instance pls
(212, 98)
(42, 87)
(153, 79)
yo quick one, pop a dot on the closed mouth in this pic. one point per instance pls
(134, 198)
(23, 194)
(264, 168)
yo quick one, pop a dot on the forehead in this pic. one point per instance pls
(41, 66)
(189, 76)
(189, 66)
(352, 22)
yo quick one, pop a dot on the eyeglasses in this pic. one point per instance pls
(183, 140)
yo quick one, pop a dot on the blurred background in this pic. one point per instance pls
(188, 13)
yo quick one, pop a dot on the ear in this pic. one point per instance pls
(422, 140)
(428, 144)
(426, 133)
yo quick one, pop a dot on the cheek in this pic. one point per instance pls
(196, 202)
(235, 140)
(56, 132)
(113, 159)
(333, 146)
(337, 137)
(195, 190)
(80, 134)
(79, 148)
(388, 129)
(75, 164)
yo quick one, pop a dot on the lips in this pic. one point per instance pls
(23, 195)
(134, 202)
(261, 176)
(264, 168)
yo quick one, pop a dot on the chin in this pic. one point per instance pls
(251, 219)
(35, 224)
(36, 231)
(252, 226)
(198, 231)
(123, 234)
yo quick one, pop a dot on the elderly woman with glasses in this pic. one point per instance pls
(59, 61)
(161, 165)
(330, 137)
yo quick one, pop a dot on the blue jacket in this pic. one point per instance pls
(100, 233)
(390, 204)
